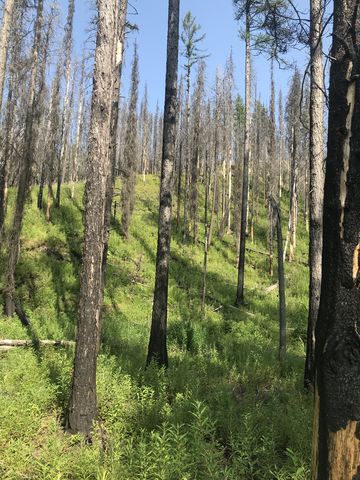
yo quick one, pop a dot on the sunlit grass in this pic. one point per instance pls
(221, 411)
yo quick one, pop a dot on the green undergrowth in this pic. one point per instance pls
(223, 409)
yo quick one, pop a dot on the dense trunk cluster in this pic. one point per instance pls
(222, 161)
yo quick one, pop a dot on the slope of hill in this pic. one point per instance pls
(221, 411)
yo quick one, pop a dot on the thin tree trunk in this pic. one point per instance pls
(213, 204)
(157, 350)
(41, 187)
(291, 232)
(4, 42)
(271, 242)
(26, 168)
(276, 215)
(78, 131)
(187, 156)
(82, 409)
(281, 279)
(9, 120)
(317, 174)
(206, 229)
(52, 138)
(179, 186)
(245, 188)
(66, 115)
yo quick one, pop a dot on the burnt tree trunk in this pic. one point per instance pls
(66, 114)
(26, 168)
(9, 120)
(206, 227)
(245, 186)
(118, 62)
(157, 345)
(4, 41)
(281, 279)
(336, 438)
(316, 183)
(82, 408)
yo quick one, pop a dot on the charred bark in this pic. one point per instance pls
(336, 439)
(157, 350)
(245, 186)
(26, 168)
(82, 409)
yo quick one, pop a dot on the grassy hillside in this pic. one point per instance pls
(221, 411)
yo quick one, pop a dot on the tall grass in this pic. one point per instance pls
(221, 411)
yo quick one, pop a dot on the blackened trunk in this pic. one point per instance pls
(6, 153)
(26, 169)
(245, 187)
(206, 229)
(4, 41)
(336, 444)
(82, 409)
(157, 345)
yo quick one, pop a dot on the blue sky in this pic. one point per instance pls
(216, 18)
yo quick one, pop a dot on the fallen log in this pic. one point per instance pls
(7, 344)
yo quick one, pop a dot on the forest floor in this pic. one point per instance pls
(223, 409)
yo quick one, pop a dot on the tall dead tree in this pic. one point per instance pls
(190, 39)
(13, 88)
(53, 138)
(114, 126)
(293, 124)
(27, 159)
(271, 162)
(43, 135)
(336, 443)
(66, 113)
(317, 174)
(79, 123)
(239, 145)
(82, 409)
(245, 184)
(130, 151)
(144, 127)
(197, 106)
(276, 216)
(281, 146)
(4, 42)
(157, 350)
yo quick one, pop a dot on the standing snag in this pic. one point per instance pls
(336, 439)
(317, 174)
(245, 184)
(130, 151)
(27, 159)
(157, 350)
(82, 410)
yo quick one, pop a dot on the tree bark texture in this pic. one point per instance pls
(157, 345)
(66, 114)
(118, 62)
(245, 187)
(336, 439)
(317, 176)
(26, 167)
(281, 278)
(4, 42)
(82, 409)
